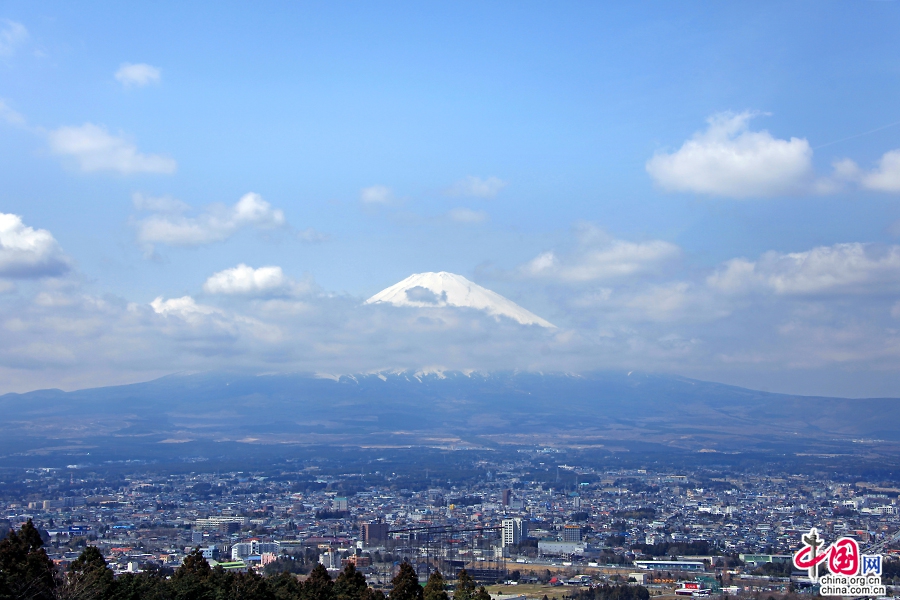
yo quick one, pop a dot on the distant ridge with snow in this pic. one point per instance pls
(448, 289)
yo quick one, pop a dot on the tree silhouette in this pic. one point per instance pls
(318, 586)
(350, 584)
(465, 587)
(406, 584)
(435, 589)
(26, 572)
(89, 577)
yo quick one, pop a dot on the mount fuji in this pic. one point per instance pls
(448, 289)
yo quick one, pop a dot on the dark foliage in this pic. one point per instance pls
(435, 589)
(465, 587)
(27, 573)
(406, 584)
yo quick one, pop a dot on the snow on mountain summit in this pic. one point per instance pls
(449, 289)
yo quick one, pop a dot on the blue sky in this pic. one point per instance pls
(701, 189)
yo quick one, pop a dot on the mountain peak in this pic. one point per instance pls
(440, 289)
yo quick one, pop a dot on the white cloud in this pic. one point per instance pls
(12, 36)
(729, 160)
(467, 216)
(10, 116)
(246, 280)
(886, 177)
(26, 252)
(95, 149)
(852, 268)
(602, 259)
(138, 75)
(376, 194)
(185, 308)
(477, 187)
(215, 224)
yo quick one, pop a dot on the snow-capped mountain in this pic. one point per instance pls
(449, 289)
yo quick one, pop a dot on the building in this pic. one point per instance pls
(374, 532)
(669, 565)
(571, 533)
(514, 531)
(757, 560)
(505, 497)
(557, 548)
(357, 561)
(253, 547)
(339, 504)
(330, 560)
(214, 523)
(266, 558)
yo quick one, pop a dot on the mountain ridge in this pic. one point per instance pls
(420, 406)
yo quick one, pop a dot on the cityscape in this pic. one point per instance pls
(530, 522)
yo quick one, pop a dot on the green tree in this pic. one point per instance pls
(141, 586)
(465, 587)
(436, 588)
(238, 586)
(26, 572)
(350, 584)
(194, 565)
(190, 581)
(371, 594)
(89, 577)
(285, 586)
(482, 594)
(406, 584)
(318, 586)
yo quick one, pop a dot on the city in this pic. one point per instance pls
(526, 524)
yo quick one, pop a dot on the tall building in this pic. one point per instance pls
(571, 533)
(514, 531)
(507, 494)
(374, 532)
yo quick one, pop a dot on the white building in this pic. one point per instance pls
(330, 560)
(555, 548)
(514, 531)
(242, 550)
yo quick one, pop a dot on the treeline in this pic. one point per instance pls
(612, 592)
(27, 573)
